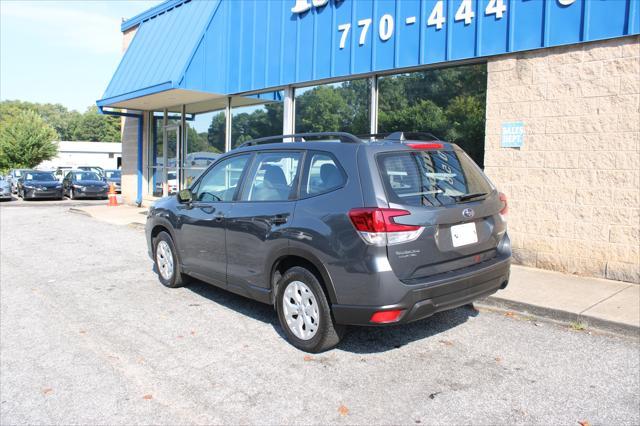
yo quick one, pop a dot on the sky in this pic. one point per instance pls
(61, 51)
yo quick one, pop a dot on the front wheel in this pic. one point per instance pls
(166, 261)
(304, 313)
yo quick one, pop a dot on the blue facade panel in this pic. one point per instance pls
(252, 45)
(163, 45)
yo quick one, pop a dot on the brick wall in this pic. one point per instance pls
(574, 187)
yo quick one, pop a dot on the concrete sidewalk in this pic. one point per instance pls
(594, 302)
(599, 303)
(117, 215)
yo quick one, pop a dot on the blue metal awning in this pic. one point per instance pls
(160, 51)
(197, 52)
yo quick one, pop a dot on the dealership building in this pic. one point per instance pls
(560, 90)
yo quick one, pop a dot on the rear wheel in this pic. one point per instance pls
(166, 261)
(304, 313)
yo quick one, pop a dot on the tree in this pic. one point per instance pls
(93, 126)
(466, 119)
(26, 140)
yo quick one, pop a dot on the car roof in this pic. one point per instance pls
(330, 141)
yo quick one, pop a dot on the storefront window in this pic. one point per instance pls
(334, 107)
(262, 117)
(205, 143)
(449, 103)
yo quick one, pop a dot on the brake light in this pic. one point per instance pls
(385, 317)
(377, 226)
(425, 145)
(505, 205)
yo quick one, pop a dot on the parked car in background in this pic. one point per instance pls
(84, 184)
(114, 176)
(95, 169)
(12, 178)
(342, 231)
(61, 172)
(38, 184)
(5, 189)
(172, 183)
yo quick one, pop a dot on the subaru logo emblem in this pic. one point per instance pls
(468, 213)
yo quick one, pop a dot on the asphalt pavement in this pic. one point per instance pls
(88, 335)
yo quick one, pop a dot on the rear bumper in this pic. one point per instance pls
(424, 300)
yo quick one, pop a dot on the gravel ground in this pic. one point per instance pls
(88, 335)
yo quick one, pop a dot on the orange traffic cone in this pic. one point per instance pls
(113, 201)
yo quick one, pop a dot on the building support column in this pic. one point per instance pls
(373, 106)
(165, 122)
(181, 149)
(227, 126)
(289, 113)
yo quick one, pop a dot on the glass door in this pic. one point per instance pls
(171, 160)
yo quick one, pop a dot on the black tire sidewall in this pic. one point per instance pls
(175, 280)
(317, 343)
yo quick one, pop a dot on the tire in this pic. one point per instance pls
(168, 251)
(327, 334)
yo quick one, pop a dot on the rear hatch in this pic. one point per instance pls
(440, 189)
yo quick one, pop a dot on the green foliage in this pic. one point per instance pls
(25, 140)
(450, 103)
(95, 127)
(69, 125)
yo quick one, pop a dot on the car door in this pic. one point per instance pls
(202, 223)
(258, 222)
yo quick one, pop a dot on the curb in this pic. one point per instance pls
(561, 316)
(78, 211)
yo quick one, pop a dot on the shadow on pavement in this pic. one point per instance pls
(361, 340)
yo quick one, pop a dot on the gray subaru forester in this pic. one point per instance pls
(336, 230)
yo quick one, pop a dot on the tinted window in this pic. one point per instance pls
(324, 175)
(220, 183)
(273, 177)
(430, 178)
(112, 174)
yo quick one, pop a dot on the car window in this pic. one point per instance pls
(431, 178)
(35, 176)
(220, 183)
(80, 176)
(324, 175)
(272, 177)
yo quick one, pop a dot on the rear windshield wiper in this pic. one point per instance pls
(468, 197)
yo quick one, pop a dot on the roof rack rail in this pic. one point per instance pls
(402, 136)
(343, 137)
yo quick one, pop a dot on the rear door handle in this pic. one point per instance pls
(279, 219)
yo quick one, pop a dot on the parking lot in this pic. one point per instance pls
(88, 335)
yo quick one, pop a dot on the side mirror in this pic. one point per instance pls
(185, 196)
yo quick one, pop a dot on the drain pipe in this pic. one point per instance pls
(140, 117)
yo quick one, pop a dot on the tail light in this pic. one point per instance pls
(377, 226)
(430, 145)
(386, 317)
(505, 205)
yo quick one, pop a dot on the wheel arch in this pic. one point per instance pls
(305, 260)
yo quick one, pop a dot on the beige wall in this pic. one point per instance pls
(574, 187)
(129, 142)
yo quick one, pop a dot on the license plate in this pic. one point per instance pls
(465, 234)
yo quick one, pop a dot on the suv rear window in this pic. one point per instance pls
(431, 178)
